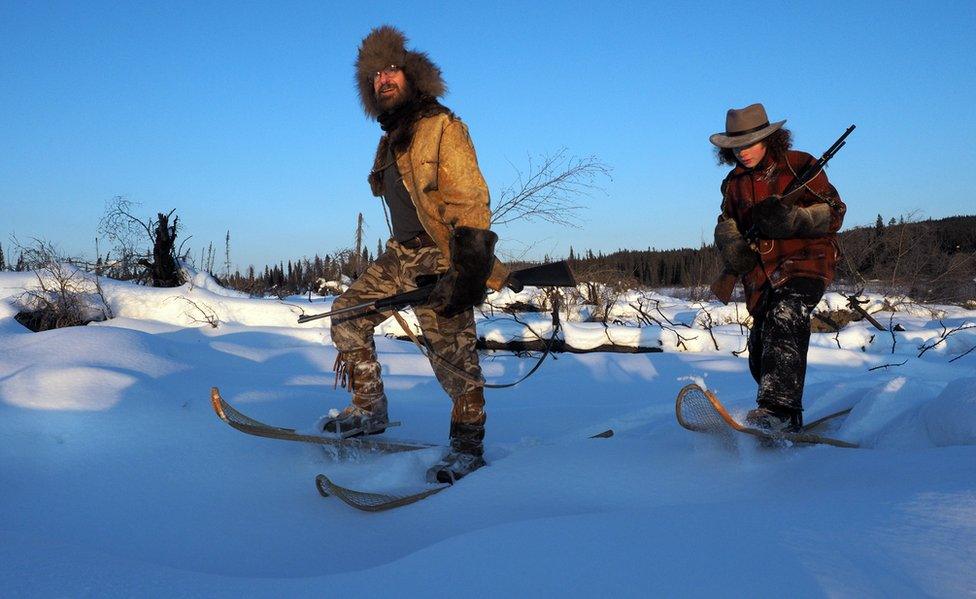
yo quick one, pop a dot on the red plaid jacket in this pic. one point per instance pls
(783, 259)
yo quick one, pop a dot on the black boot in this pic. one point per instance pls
(467, 440)
(466, 455)
(776, 419)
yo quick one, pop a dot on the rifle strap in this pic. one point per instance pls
(431, 355)
(552, 338)
(806, 185)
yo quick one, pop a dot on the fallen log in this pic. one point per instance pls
(558, 346)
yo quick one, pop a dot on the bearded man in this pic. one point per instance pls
(427, 173)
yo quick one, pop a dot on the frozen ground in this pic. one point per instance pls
(116, 478)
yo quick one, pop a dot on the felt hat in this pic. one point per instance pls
(744, 127)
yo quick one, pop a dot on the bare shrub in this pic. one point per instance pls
(64, 295)
(199, 312)
(549, 188)
(601, 288)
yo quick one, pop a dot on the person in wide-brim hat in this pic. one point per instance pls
(784, 254)
(745, 127)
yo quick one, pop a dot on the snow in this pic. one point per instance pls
(117, 480)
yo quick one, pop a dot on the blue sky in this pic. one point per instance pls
(243, 116)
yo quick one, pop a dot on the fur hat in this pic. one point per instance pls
(384, 46)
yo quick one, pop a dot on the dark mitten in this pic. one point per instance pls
(774, 220)
(737, 256)
(812, 221)
(463, 286)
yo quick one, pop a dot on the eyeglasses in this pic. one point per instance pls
(389, 71)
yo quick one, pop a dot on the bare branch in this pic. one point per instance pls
(709, 324)
(887, 366)
(965, 353)
(946, 333)
(207, 315)
(548, 190)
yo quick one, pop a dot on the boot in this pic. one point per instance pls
(359, 371)
(467, 440)
(776, 419)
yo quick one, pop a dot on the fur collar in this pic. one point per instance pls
(400, 125)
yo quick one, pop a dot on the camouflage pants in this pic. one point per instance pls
(779, 340)
(451, 340)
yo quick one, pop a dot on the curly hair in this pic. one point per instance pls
(777, 143)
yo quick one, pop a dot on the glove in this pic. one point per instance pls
(737, 256)
(774, 220)
(463, 286)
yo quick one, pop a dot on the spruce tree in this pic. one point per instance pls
(227, 254)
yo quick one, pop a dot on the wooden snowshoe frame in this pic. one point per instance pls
(699, 410)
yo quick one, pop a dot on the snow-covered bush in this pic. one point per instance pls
(62, 295)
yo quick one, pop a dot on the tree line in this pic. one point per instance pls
(302, 275)
(930, 260)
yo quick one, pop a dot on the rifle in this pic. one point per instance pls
(551, 274)
(725, 284)
(811, 171)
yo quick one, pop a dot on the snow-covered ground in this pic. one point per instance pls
(116, 478)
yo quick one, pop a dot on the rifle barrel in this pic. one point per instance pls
(811, 171)
(839, 143)
(400, 300)
(557, 274)
(308, 317)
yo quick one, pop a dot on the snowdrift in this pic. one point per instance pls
(118, 480)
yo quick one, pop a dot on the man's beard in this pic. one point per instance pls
(393, 101)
